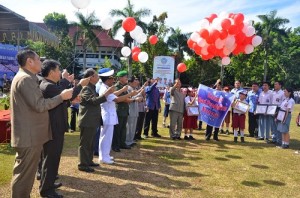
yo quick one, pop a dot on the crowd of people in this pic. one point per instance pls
(113, 114)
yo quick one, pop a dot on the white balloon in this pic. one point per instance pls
(136, 32)
(250, 31)
(223, 15)
(204, 50)
(249, 49)
(204, 23)
(195, 36)
(256, 41)
(80, 4)
(225, 60)
(142, 38)
(107, 23)
(230, 41)
(226, 51)
(219, 43)
(201, 42)
(125, 51)
(143, 57)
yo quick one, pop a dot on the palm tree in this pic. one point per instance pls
(271, 29)
(85, 33)
(128, 11)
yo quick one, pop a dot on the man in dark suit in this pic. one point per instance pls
(89, 120)
(53, 85)
(30, 121)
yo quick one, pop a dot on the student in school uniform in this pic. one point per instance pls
(283, 126)
(264, 121)
(239, 117)
(277, 98)
(189, 121)
(227, 117)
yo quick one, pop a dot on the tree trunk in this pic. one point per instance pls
(266, 65)
(84, 59)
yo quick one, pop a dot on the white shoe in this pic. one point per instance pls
(111, 157)
(297, 152)
(107, 162)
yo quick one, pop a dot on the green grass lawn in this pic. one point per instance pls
(160, 167)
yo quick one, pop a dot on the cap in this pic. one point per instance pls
(244, 92)
(122, 73)
(106, 72)
(226, 88)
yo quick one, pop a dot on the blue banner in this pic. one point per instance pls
(213, 105)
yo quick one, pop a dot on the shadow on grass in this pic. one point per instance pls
(259, 166)
(251, 184)
(7, 149)
(86, 188)
(274, 183)
(233, 157)
(221, 159)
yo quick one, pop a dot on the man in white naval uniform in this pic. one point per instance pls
(109, 114)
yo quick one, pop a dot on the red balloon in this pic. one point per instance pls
(211, 49)
(204, 33)
(196, 47)
(238, 18)
(214, 34)
(225, 24)
(153, 39)
(212, 17)
(129, 24)
(210, 40)
(240, 37)
(190, 43)
(223, 34)
(135, 49)
(181, 67)
(135, 56)
(231, 15)
(233, 30)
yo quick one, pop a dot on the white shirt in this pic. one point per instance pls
(190, 99)
(288, 103)
(277, 97)
(265, 97)
(108, 108)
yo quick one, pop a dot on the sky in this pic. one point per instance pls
(185, 14)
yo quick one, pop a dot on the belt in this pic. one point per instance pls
(239, 114)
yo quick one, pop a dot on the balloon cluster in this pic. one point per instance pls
(222, 35)
(136, 33)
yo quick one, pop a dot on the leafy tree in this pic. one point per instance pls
(85, 33)
(271, 28)
(129, 11)
(57, 23)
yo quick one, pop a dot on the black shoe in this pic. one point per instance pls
(191, 137)
(207, 138)
(94, 164)
(260, 138)
(271, 142)
(86, 169)
(125, 147)
(173, 138)
(227, 132)
(53, 195)
(116, 150)
(133, 144)
(178, 138)
(242, 139)
(156, 135)
(96, 153)
(38, 177)
(56, 178)
(216, 139)
(57, 185)
(221, 131)
(186, 137)
(251, 135)
(235, 139)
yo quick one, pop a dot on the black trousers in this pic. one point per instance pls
(253, 123)
(139, 125)
(120, 130)
(51, 157)
(209, 130)
(151, 116)
(74, 114)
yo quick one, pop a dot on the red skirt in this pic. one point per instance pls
(189, 122)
